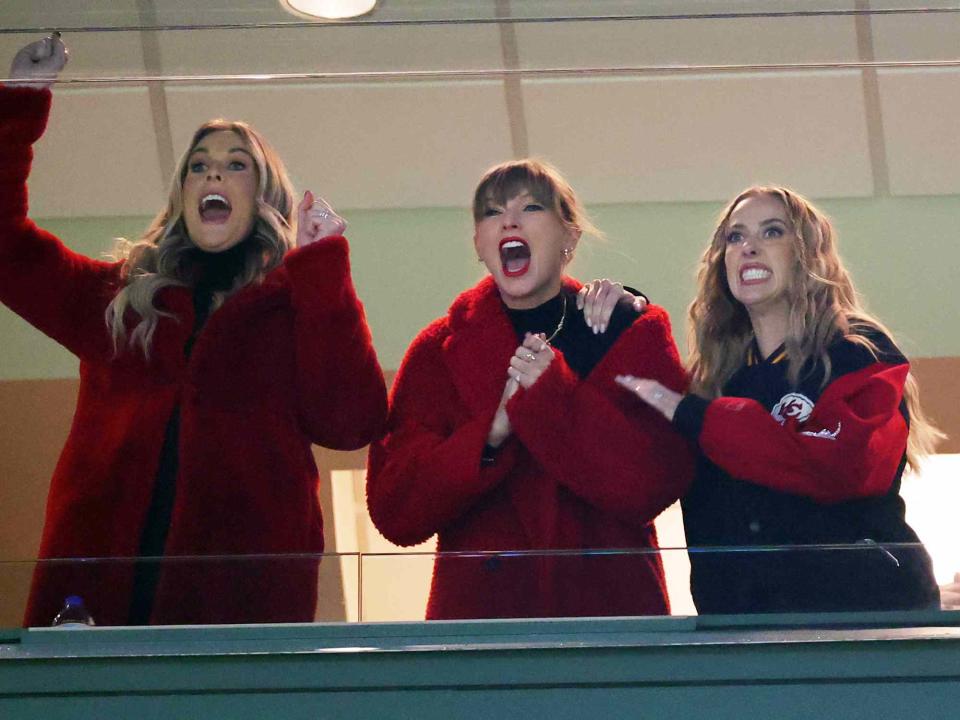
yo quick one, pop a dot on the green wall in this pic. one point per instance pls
(409, 264)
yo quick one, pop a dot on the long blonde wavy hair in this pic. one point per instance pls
(823, 305)
(162, 256)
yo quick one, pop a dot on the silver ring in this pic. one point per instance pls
(529, 357)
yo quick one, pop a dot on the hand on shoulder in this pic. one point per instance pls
(598, 299)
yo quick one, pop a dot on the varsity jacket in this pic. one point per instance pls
(793, 466)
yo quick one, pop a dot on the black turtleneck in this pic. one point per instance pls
(211, 273)
(580, 347)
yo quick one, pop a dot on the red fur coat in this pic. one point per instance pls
(587, 466)
(281, 364)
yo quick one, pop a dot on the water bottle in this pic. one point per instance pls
(73, 615)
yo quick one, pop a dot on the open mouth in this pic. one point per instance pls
(753, 274)
(514, 256)
(214, 208)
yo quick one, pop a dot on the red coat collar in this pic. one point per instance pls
(171, 335)
(480, 345)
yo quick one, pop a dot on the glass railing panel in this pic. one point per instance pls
(201, 590)
(855, 578)
(858, 578)
(519, 584)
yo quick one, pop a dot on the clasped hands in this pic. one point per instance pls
(527, 364)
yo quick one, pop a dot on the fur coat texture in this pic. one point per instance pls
(282, 364)
(588, 467)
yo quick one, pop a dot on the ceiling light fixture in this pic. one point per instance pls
(328, 9)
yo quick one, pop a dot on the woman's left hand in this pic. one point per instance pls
(317, 220)
(653, 393)
(530, 360)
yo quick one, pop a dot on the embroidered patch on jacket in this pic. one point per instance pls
(792, 405)
(825, 434)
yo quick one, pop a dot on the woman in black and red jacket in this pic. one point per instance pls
(805, 415)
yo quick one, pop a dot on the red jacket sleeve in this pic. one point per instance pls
(341, 395)
(849, 447)
(61, 293)
(426, 472)
(597, 440)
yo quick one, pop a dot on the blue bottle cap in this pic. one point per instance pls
(73, 600)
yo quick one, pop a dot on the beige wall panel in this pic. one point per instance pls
(940, 395)
(703, 138)
(84, 166)
(35, 416)
(916, 36)
(367, 146)
(212, 12)
(330, 49)
(68, 13)
(626, 43)
(920, 110)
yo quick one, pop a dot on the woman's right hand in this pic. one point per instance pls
(598, 299)
(500, 429)
(657, 396)
(37, 65)
(317, 220)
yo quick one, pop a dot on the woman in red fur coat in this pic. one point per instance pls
(211, 357)
(508, 433)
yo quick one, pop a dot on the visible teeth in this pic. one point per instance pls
(755, 274)
(512, 244)
(213, 196)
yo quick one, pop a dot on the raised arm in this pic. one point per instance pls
(61, 293)
(341, 394)
(602, 445)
